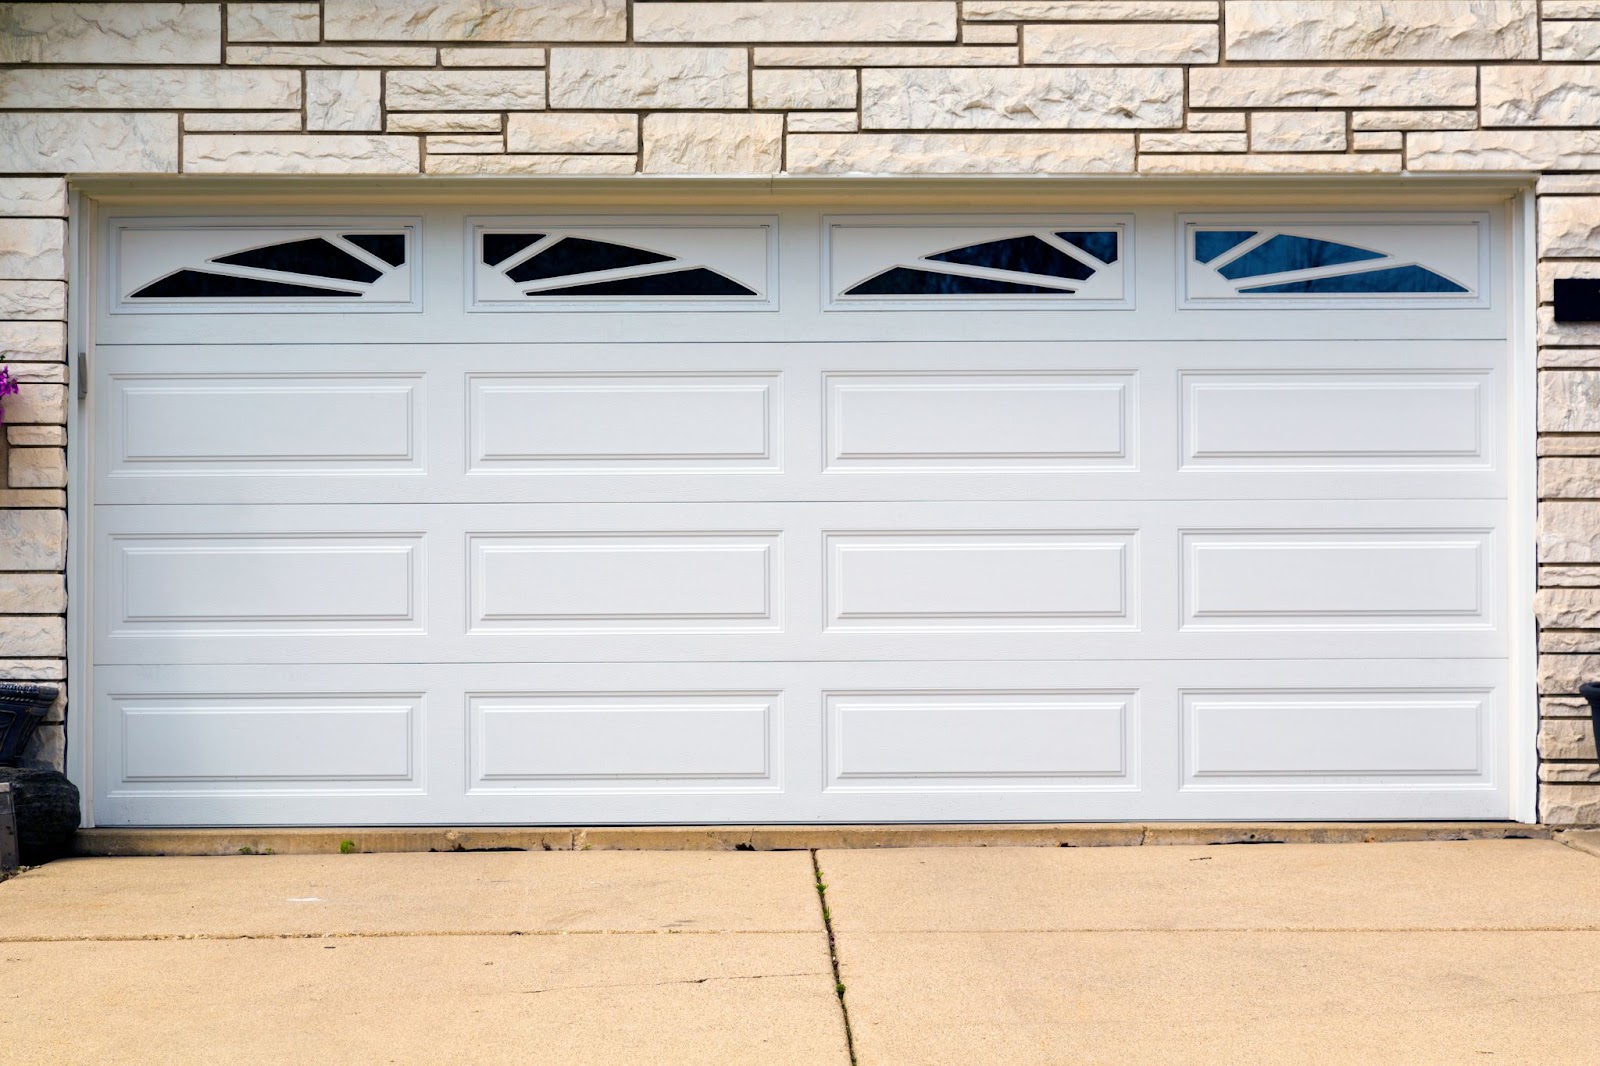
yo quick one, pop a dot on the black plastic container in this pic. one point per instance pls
(23, 705)
(1590, 690)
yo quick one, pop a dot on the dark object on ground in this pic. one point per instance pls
(23, 706)
(1590, 691)
(47, 812)
(9, 859)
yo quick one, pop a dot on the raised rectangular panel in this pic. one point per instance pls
(625, 582)
(1345, 579)
(973, 421)
(1331, 738)
(279, 583)
(599, 423)
(1335, 419)
(1048, 579)
(976, 740)
(236, 424)
(268, 742)
(624, 741)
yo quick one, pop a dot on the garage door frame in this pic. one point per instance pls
(1286, 192)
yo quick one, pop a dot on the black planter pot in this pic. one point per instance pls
(23, 706)
(1590, 691)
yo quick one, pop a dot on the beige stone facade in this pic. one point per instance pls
(806, 87)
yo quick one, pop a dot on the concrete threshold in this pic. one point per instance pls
(322, 841)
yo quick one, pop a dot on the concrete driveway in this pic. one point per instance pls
(1484, 951)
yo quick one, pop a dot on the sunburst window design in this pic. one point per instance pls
(326, 266)
(545, 265)
(1033, 264)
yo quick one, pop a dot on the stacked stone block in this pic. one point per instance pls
(809, 87)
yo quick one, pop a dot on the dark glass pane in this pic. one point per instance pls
(1027, 255)
(579, 255)
(390, 247)
(1208, 244)
(1394, 279)
(696, 282)
(905, 281)
(1284, 252)
(198, 284)
(1102, 244)
(315, 256)
(498, 247)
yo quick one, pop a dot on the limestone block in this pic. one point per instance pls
(107, 142)
(1569, 358)
(1341, 86)
(1569, 401)
(1569, 641)
(887, 56)
(1057, 98)
(1569, 444)
(604, 79)
(1504, 150)
(1389, 141)
(803, 89)
(989, 33)
(55, 499)
(1569, 227)
(824, 122)
(32, 540)
(1568, 608)
(1192, 142)
(1569, 804)
(1551, 332)
(1090, 10)
(37, 468)
(1216, 121)
(33, 197)
(492, 56)
(1548, 95)
(344, 99)
(110, 33)
(1272, 163)
(1109, 42)
(1566, 739)
(1297, 131)
(51, 373)
(274, 21)
(33, 593)
(1551, 269)
(1569, 531)
(1585, 577)
(960, 153)
(1380, 29)
(563, 133)
(36, 436)
(465, 144)
(149, 87)
(1570, 772)
(532, 164)
(303, 153)
(1560, 675)
(712, 144)
(675, 22)
(33, 248)
(242, 122)
(43, 341)
(1571, 9)
(475, 20)
(1414, 120)
(29, 635)
(322, 55)
(36, 402)
(464, 90)
(33, 300)
(1570, 42)
(444, 122)
(33, 669)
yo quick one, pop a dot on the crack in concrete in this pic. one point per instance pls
(668, 984)
(112, 938)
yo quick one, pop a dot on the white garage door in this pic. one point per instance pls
(473, 517)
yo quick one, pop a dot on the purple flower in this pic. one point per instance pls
(8, 387)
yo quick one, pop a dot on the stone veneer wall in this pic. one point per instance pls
(818, 87)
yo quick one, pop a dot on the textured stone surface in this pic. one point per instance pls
(887, 56)
(307, 153)
(672, 78)
(110, 33)
(1270, 163)
(465, 143)
(560, 133)
(1138, 42)
(989, 33)
(275, 21)
(1382, 29)
(41, 197)
(344, 100)
(1569, 532)
(1571, 42)
(795, 20)
(532, 164)
(1414, 120)
(961, 153)
(713, 144)
(1569, 226)
(32, 540)
(33, 299)
(149, 87)
(824, 122)
(242, 122)
(1569, 805)
(1568, 608)
(33, 248)
(1216, 121)
(1338, 86)
(1297, 131)
(475, 20)
(37, 468)
(1569, 401)
(445, 122)
(1565, 641)
(1562, 738)
(36, 402)
(464, 90)
(33, 593)
(1090, 10)
(313, 55)
(1541, 96)
(1116, 97)
(1570, 576)
(58, 142)
(1504, 150)
(492, 56)
(27, 436)
(1192, 142)
(803, 89)
(1388, 141)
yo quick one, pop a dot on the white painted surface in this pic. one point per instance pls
(1112, 559)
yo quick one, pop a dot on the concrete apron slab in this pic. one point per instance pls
(572, 999)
